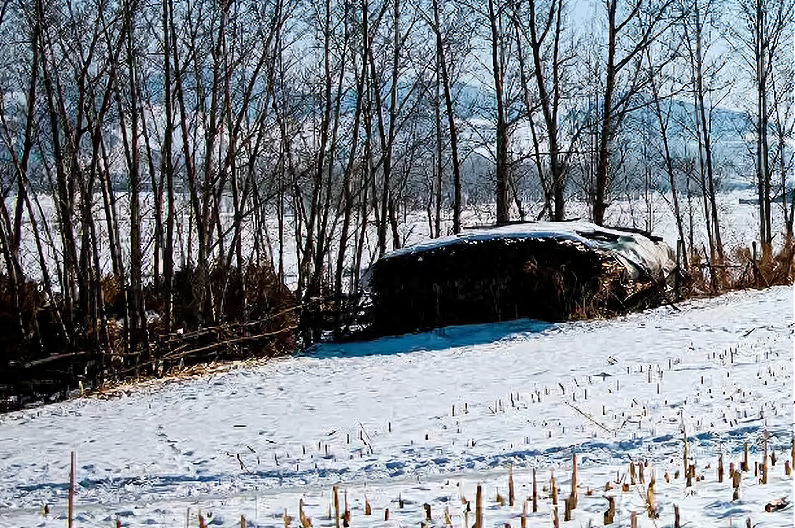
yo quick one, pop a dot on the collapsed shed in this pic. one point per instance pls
(552, 271)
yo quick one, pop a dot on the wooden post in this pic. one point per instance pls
(71, 499)
(555, 517)
(242, 521)
(427, 511)
(567, 509)
(745, 465)
(535, 492)
(386, 514)
(368, 510)
(632, 472)
(633, 519)
(676, 517)
(524, 514)
(720, 468)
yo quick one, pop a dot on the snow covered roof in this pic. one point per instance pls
(640, 254)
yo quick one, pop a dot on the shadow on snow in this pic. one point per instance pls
(438, 339)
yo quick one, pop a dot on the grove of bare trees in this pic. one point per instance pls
(157, 155)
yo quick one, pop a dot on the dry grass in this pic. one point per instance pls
(741, 270)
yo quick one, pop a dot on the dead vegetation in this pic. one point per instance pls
(259, 319)
(742, 269)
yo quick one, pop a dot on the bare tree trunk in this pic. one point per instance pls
(705, 133)
(167, 164)
(450, 111)
(607, 127)
(653, 19)
(662, 122)
(498, 76)
(137, 316)
(549, 98)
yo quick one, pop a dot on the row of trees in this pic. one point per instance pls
(144, 138)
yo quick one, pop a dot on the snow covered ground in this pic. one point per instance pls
(425, 418)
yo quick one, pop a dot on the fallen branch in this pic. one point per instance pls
(590, 418)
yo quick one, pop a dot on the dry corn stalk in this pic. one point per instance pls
(573, 498)
(651, 508)
(511, 496)
(554, 490)
(336, 499)
(611, 511)
(479, 507)
(736, 479)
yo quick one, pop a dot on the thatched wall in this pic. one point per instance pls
(501, 278)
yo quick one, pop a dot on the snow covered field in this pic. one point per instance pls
(425, 418)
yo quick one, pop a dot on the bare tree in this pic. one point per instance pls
(707, 92)
(631, 27)
(763, 32)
